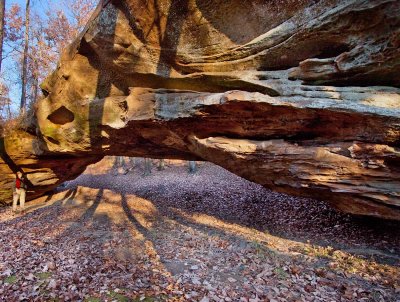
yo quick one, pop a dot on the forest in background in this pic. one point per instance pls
(33, 33)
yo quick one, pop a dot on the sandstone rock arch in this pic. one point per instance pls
(300, 96)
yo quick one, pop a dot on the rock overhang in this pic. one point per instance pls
(303, 102)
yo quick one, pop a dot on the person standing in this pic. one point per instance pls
(19, 192)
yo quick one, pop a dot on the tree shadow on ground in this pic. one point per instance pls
(166, 214)
(317, 224)
(95, 229)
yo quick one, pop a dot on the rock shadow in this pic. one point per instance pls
(259, 213)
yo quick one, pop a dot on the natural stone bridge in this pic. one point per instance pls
(300, 96)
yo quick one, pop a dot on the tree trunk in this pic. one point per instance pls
(9, 110)
(35, 85)
(25, 58)
(147, 167)
(192, 167)
(132, 162)
(2, 10)
(161, 165)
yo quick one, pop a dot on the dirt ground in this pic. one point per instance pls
(208, 236)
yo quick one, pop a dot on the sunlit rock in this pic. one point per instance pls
(300, 96)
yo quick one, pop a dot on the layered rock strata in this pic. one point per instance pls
(300, 96)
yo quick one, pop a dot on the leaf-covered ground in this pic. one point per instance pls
(211, 236)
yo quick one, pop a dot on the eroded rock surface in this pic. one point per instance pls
(300, 96)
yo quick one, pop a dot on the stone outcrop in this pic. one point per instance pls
(300, 96)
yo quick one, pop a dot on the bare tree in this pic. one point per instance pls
(3, 99)
(2, 13)
(25, 57)
(147, 167)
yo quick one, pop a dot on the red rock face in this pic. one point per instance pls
(300, 96)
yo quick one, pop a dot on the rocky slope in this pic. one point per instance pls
(300, 96)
